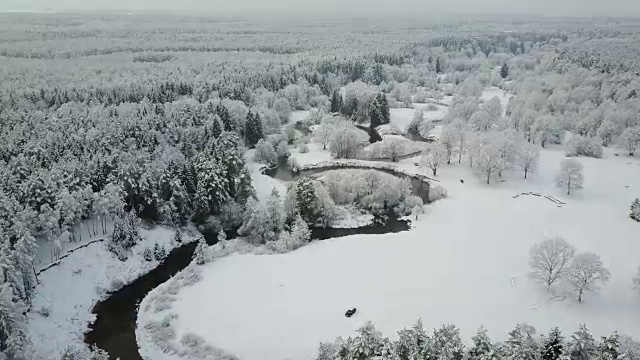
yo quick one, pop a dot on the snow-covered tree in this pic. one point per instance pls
(570, 176)
(630, 139)
(413, 343)
(265, 153)
(481, 120)
(553, 345)
(393, 148)
(306, 200)
(582, 345)
(447, 139)
(253, 129)
(274, 208)
(347, 140)
(283, 108)
(550, 260)
(527, 159)
(586, 273)
(547, 130)
(584, 146)
(489, 161)
(521, 343)
(608, 349)
(634, 212)
(434, 157)
(13, 338)
(379, 111)
(322, 133)
(504, 71)
(446, 343)
(125, 231)
(199, 254)
(327, 351)
(482, 348)
(368, 344)
(493, 107)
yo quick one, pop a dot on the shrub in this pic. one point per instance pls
(147, 254)
(584, 146)
(159, 252)
(437, 192)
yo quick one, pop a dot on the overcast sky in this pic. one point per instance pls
(354, 8)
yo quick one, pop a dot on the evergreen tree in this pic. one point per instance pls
(306, 200)
(608, 348)
(13, 339)
(482, 348)
(521, 345)
(217, 127)
(413, 343)
(582, 345)
(199, 254)
(24, 252)
(336, 102)
(274, 207)
(438, 66)
(300, 231)
(222, 236)
(377, 74)
(177, 237)
(225, 117)
(504, 71)
(368, 344)
(447, 344)
(253, 129)
(635, 210)
(125, 231)
(386, 114)
(375, 113)
(552, 345)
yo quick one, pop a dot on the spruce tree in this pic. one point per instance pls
(504, 71)
(199, 255)
(608, 348)
(217, 127)
(224, 116)
(375, 113)
(438, 65)
(336, 102)
(386, 115)
(377, 74)
(306, 200)
(253, 129)
(635, 210)
(552, 346)
(582, 346)
(482, 348)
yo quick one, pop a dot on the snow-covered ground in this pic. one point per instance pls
(465, 262)
(492, 91)
(69, 290)
(298, 115)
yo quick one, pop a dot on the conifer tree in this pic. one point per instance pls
(336, 102)
(552, 345)
(582, 345)
(504, 71)
(253, 129)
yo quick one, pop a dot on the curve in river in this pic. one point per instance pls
(115, 324)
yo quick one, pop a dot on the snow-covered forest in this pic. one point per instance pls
(123, 137)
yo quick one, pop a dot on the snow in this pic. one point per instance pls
(70, 290)
(402, 117)
(314, 156)
(465, 262)
(298, 115)
(492, 91)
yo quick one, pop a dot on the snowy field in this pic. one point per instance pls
(465, 262)
(69, 290)
(401, 117)
(503, 95)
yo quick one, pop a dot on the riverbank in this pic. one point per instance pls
(67, 293)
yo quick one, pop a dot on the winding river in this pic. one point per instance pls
(115, 324)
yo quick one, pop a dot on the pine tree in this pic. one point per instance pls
(447, 344)
(300, 231)
(438, 66)
(24, 252)
(224, 116)
(222, 236)
(552, 345)
(608, 348)
(635, 210)
(504, 71)
(375, 113)
(336, 102)
(306, 200)
(520, 344)
(199, 254)
(582, 345)
(368, 344)
(482, 348)
(13, 339)
(386, 114)
(377, 74)
(217, 127)
(253, 129)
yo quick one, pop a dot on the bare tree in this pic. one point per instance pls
(550, 259)
(322, 134)
(570, 175)
(528, 158)
(586, 272)
(394, 148)
(489, 161)
(434, 157)
(447, 139)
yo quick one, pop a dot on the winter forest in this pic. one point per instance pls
(193, 187)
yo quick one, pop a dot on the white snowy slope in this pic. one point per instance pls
(69, 290)
(465, 262)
